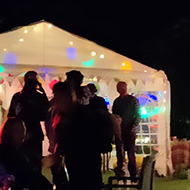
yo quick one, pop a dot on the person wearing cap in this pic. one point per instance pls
(31, 105)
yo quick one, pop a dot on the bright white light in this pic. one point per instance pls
(93, 53)
(164, 100)
(95, 79)
(102, 56)
(71, 43)
(35, 28)
(26, 31)
(123, 64)
(145, 71)
(165, 92)
(49, 25)
(4, 49)
(146, 140)
(21, 40)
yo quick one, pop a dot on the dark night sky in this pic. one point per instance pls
(155, 35)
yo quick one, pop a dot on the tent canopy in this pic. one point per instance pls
(44, 44)
(51, 51)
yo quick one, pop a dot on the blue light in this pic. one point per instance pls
(153, 97)
(107, 100)
(10, 58)
(71, 53)
(46, 70)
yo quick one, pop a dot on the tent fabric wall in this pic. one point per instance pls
(43, 49)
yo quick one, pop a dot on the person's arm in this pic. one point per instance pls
(137, 116)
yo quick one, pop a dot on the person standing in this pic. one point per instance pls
(96, 102)
(31, 106)
(127, 107)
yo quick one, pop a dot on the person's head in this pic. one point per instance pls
(74, 78)
(62, 100)
(122, 88)
(31, 82)
(92, 89)
(13, 132)
(30, 75)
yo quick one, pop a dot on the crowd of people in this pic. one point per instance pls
(79, 128)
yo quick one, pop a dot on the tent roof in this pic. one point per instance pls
(44, 44)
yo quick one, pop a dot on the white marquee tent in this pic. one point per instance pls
(52, 52)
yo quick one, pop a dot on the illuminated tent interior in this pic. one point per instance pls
(52, 51)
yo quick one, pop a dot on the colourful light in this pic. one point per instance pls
(1, 69)
(10, 58)
(52, 83)
(1, 80)
(107, 100)
(153, 97)
(71, 53)
(46, 70)
(147, 112)
(126, 65)
(88, 63)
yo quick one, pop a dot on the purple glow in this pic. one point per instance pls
(71, 53)
(10, 58)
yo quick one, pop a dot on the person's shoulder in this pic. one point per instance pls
(131, 97)
(99, 98)
(116, 99)
(17, 94)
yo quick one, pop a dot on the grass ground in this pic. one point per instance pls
(160, 183)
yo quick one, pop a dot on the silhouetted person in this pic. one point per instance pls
(127, 107)
(57, 103)
(31, 105)
(75, 79)
(14, 164)
(79, 137)
(96, 102)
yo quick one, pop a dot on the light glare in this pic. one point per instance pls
(93, 53)
(49, 25)
(102, 56)
(21, 40)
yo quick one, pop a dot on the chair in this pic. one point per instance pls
(144, 181)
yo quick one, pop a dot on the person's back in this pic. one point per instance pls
(31, 106)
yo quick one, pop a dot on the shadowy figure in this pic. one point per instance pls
(57, 104)
(14, 166)
(96, 102)
(127, 107)
(74, 80)
(31, 105)
(79, 137)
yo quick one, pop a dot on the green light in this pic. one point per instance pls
(147, 112)
(88, 63)
(1, 69)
